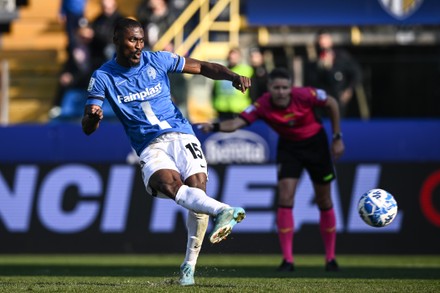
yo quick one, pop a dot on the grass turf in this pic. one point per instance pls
(217, 273)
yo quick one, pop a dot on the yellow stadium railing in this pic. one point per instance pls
(197, 43)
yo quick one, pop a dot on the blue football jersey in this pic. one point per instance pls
(140, 96)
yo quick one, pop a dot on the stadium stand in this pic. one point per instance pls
(34, 47)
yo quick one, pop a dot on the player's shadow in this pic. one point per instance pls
(168, 271)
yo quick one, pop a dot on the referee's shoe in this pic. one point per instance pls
(332, 266)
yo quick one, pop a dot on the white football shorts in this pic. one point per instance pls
(176, 151)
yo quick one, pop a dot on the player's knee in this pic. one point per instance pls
(170, 189)
(197, 181)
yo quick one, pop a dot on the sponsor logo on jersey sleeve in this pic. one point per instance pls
(91, 83)
(321, 95)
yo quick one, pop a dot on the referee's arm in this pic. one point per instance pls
(333, 112)
(337, 146)
(225, 126)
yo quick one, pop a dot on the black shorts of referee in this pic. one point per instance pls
(312, 154)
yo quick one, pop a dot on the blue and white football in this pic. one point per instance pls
(377, 207)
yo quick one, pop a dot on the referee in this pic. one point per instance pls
(302, 145)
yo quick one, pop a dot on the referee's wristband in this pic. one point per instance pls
(337, 135)
(215, 127)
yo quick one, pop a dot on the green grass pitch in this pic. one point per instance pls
(217, 273)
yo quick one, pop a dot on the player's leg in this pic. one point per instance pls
(196, 227)
(196, 224)
(190, 161)
(174, 156)
(285, 221)
(167, 182)
(162, 163)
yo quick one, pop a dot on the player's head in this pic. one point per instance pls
(128, 38)
(279, 86)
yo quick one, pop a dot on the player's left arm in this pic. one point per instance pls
(217, 72)
(92, 116)
(337, 147)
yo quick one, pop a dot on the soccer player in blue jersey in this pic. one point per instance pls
(136, 85)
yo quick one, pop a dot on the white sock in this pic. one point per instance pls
(196, 225)
(198, 201)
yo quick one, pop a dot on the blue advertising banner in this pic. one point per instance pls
(343, 12)
(377, 140)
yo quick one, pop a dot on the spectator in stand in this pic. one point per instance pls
(156, 17)
(101, 47)
(229, 102)
(178, 6)
(334, 70)
(70, 15)
(259, 78)
(74, 77)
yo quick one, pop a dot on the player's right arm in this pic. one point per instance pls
(92, 116)
(225, 126)
(93, 113)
